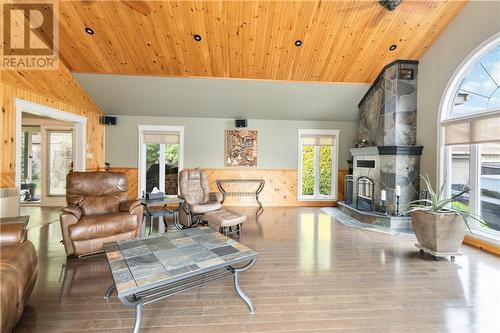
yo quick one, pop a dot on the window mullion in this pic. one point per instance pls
(475, 184)
(332, 162)
(316, 171)
(448, 173)
(162, 168)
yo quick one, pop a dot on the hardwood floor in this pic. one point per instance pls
(313, 275)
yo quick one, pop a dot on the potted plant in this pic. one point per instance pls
(440, 223)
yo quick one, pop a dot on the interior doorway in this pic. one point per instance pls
(51, 143)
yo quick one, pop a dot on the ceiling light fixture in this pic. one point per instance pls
(197, 38)
(393, 47)
(298, 43)
(89, 31)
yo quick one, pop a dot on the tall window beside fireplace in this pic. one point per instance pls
(470, 138)
(318, 164)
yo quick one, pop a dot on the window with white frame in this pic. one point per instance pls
(470, 136)
(161, 150)
(317, 164)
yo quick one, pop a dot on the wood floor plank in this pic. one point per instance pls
(313, 275)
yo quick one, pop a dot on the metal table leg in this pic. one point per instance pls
(138, 318)
(177, 224)
(236, 275)
(109, 291)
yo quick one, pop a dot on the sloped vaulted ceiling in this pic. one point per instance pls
(342, 41)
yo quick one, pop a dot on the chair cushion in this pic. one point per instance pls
(224, 218)
(193, 186)
(206, 207)
(99, 226)
(105, 204)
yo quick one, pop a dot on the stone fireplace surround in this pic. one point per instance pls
(387, 126)
(393, 165)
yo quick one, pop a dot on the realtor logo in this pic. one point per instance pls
(30, 35)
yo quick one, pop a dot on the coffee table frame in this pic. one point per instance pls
(139, 299)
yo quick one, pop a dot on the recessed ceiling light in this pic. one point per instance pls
(298, 43)
(393, 47)
(89, 31)
(197, 38)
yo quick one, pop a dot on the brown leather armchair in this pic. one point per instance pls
(198, 200)
(98, 212)
(18, 273)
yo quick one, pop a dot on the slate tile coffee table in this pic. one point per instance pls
(150, 269)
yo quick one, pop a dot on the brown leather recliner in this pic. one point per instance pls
(18, 273)
(198, 200)
(98, 212)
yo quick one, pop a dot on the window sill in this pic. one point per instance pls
(317, 199)
(483, 240)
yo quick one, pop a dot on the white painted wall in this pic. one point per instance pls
(204, 140)
(478, 21)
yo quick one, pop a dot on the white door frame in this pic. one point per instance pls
(80, 132)
(141, 163)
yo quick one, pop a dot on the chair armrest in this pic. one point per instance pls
(73, 210)
(12, 233)
(129, 205)
(215, 196)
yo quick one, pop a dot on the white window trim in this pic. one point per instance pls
(335, 160)
(448, 97)
(141, 176)
(443, 161)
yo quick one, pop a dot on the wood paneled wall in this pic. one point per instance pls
(280, 189)
(57, 89)
(132, 180)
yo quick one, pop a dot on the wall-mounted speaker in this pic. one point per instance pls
(108, 120)
(240, 123)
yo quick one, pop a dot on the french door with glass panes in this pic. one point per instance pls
(160, 158)
(57, 162)
(318, 164)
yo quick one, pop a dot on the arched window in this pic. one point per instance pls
(470, 136)
(479, 91)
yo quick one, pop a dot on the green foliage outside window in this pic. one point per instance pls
(172, 154)
(153, 153)
(307, 170)
(325, 171)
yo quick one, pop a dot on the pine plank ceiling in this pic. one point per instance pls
(343, 41)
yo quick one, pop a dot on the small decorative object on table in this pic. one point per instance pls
(383, 197)
(398, 194)
(154, 194)
(163, 202)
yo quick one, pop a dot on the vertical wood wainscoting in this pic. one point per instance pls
(280, 188)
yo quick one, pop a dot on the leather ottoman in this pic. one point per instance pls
(225, 221)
